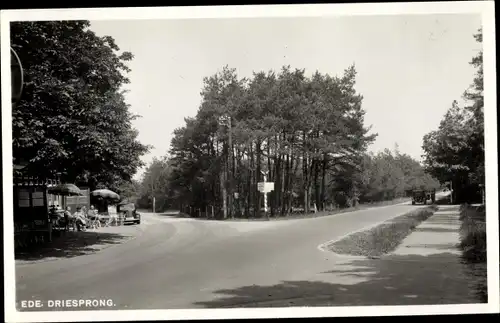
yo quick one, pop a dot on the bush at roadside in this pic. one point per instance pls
(473, 245)
(473, 232)
(385, 237)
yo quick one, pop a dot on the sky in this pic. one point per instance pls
(410, 67)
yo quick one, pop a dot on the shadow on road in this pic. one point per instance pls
(71, 244)
(391, 280)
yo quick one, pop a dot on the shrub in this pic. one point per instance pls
(473, 233)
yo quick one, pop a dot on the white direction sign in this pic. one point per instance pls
(265, 187)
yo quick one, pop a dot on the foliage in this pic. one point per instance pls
(389, 175)
(72, 117)
(455, 152)
(307, 134)
(473, 233)
(129, 190)
(473, 246)
(155, 183)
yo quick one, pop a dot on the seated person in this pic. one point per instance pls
(79, 219)
(83, 210)
(93, 216)
(67, 217)
(92, 213)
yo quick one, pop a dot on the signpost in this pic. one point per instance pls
(265, 187)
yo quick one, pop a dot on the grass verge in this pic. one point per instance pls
(473, 245)
(383, 238)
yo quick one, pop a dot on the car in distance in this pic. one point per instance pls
(421, 197)
(129, 213)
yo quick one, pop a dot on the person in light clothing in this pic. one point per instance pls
(94, 217)
(67, 218)
(79, 219)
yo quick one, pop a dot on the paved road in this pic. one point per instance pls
(187, 263)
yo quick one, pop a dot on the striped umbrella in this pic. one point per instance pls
(65, 190)
(105, 194)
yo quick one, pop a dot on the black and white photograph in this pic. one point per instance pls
(307, 160)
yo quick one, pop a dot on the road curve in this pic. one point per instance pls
(185, 263)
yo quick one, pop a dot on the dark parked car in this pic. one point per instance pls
(421, 196)
(129, 212)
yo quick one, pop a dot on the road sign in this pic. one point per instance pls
(265, 187)
(16, 76)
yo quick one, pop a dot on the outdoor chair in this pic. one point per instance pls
(105, 223)
(72, 224)
(94, 223)
(112, 221)
(61, 224)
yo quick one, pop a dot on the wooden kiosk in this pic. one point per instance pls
(31, 211)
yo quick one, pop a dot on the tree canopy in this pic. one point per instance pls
(306, 134)
(455, 151)
(72, 118)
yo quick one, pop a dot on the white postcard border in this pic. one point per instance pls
(485, 8)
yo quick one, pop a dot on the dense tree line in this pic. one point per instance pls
(305, 134)
(389, 175)
(454, 153)
(72, 118)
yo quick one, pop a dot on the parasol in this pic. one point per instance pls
(65, 190)
(105, 194)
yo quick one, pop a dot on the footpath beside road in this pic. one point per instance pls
(434, 264)
(438, 234)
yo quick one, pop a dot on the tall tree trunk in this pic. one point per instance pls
(277, 177)
(230, 175)
(282, 184)
(270, 176)
(304, 185)
(316, 185)
(237, 181)
(223, 186)
(277, 188)
(250, 192)
(257, 178)
(286, 181)
(305, 169)
(323, 181)
(294, 166)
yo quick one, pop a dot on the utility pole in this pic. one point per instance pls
(152, 193)
(230, 168)
(227, 194)
(265, 194)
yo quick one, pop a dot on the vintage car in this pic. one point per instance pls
(422, 196)
(129, 213)
(419, 196)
